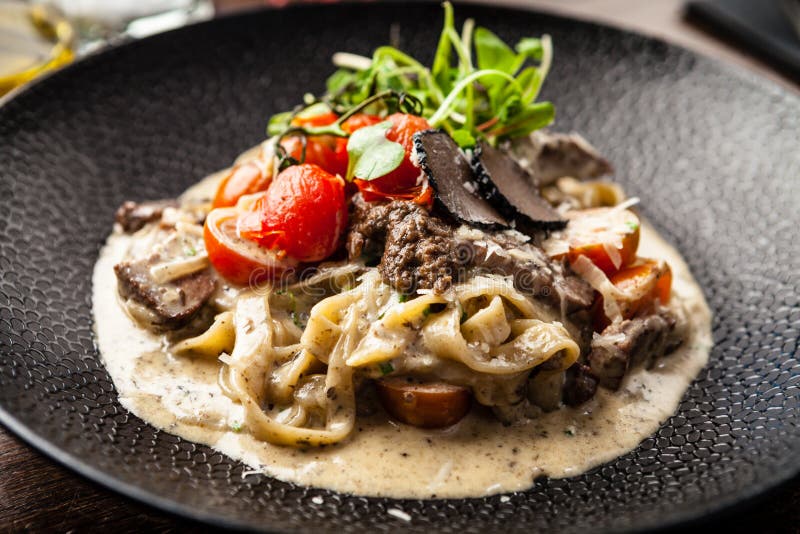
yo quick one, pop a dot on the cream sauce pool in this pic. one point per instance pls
(478, 456)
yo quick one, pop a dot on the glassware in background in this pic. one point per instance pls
(39, 35)
(98, 22)
(33, 40)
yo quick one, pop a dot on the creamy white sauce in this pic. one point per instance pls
(478, 456)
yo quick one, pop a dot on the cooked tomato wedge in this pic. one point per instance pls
(644, 282)
(426, 405)
(244, 179)
(302, 214)
(609, 237)
(239, 260)
(405, 182)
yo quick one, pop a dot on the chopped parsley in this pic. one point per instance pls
(386, 368)
(632, 225)
(190, 251)
(402, 297)
(236, 426)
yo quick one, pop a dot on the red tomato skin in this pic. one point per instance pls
(244, 179)
(303, 213)
(325, 151)
(404, 177)
(360, 120)
(323, 119)
(233, 261)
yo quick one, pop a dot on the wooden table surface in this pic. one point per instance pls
(38, 495)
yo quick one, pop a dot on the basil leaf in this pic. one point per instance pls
(371, 155)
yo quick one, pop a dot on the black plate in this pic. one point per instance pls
(714, 155)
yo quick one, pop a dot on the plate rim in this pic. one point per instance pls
(692, 515)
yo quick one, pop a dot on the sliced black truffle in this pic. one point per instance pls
(510, 189)
(453, 180)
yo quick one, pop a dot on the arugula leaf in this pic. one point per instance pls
(531, 118)
(478, 87)
(530, 47)
(463, 138)
(371, 155)
(492, 53)
(441, 70)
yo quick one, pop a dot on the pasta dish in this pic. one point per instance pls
(412, 269)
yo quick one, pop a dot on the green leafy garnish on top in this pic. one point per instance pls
(370, 154)
(477, 88)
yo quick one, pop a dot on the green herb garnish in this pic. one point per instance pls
(371, 155)
(478, 87)
(190, 251)
(386, 368)
(402, 297)
(236, 426)
(632, 225)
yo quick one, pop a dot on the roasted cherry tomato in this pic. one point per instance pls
(426, 405)
(323, 119)
(608, 237)
(302, 214)
(405, 181)
(239, 260)
(244, 179)
(643, 282)
(327, 151)
(358, 121)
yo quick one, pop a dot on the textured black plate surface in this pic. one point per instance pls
(713, 154)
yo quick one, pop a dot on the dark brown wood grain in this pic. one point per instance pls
(38, 495)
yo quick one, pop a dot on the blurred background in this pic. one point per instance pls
(37, 36)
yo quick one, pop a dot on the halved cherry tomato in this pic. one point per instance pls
(405, 182)
(238, 260)
(244, 179)
(609, 237)
(426, 405)
(302, 214)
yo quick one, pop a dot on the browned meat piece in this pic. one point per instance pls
(549, 156)
(580, 385)
(534, 273)
(418, 251)
(636, 341)
(132, 216)
(166, 302)
(366, 235)
(174, 303)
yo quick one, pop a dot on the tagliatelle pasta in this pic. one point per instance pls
(409, 267)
